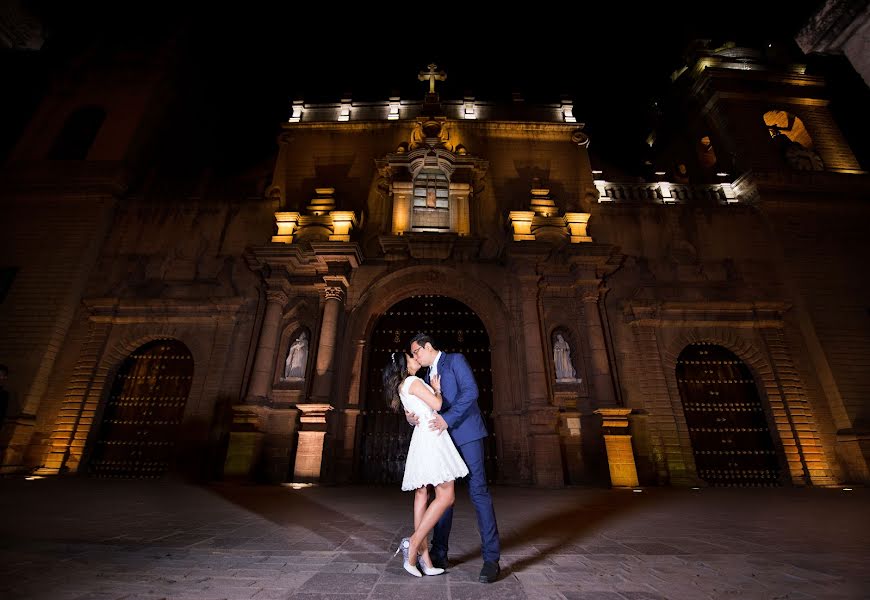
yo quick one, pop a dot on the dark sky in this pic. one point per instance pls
(612, 58)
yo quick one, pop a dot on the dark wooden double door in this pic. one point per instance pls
(728, 427)
(141, 419)
(384, 435)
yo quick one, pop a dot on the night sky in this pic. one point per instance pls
(250, 61)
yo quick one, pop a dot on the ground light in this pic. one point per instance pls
(298, 486)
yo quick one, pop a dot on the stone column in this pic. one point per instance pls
(312, 424)
(264, 362)
(617, 440)
(599, 361)
(543, 417)
(325, 366)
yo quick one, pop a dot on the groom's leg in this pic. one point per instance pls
(473, 454)
(441, 536)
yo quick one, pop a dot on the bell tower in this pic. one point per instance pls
(74, 162)
(756, 111)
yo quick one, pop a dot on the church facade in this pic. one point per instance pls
(707, 326)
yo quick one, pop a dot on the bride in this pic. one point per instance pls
(432, 458)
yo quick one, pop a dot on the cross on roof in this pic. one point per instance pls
(432, 76)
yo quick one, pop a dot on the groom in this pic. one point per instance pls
(460, 416)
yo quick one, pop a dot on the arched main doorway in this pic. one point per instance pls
(728, 428)
(143, 413)
(385, 435)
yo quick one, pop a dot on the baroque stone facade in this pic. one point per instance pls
(752, 246)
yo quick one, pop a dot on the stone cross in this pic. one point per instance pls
(432, 76)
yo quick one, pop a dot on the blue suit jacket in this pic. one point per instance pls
(459, 399)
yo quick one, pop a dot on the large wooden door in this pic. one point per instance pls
(143, 414)
(385, 435)
(727, 424)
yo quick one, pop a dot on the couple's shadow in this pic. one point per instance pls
(557, 532)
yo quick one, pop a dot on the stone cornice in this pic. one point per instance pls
(142, 310)
(706, 314)
(70, 177)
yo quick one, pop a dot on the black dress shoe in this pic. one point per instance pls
(489, 572)
(439, 562)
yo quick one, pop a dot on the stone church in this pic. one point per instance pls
(705, 325)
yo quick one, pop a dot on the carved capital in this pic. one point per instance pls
(277, 296)
(333, 292)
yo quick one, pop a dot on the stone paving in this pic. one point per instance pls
(76, 538)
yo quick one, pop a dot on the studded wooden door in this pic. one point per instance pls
(727, 425)
(385, 435)
(143, 414)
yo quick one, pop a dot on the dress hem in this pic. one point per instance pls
(406, 489)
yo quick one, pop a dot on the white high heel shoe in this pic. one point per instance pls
(428, 569)
(404, 548)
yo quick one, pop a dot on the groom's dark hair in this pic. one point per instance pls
(422, 339)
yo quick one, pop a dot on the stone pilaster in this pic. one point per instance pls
(794, 417)
(599, 362)
(76, 411)
(543, 417)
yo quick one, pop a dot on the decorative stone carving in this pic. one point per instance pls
(562, 360)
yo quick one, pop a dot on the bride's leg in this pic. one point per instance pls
(444, 497)
(421, 498)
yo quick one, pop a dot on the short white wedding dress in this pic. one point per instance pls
(432, 457)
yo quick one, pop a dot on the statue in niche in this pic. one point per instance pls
(297, 359)
(562, 360)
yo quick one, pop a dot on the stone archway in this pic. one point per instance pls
(142, 416)
(768, 359)
(507, 384)
(384, 435)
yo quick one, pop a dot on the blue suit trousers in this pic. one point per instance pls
(473, 455)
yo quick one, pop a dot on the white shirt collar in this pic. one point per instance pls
(434, 369)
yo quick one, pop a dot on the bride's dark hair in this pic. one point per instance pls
(394, 374)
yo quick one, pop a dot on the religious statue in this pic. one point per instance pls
(562, 360)
(297, 358)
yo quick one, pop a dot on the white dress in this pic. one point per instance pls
(432, 457)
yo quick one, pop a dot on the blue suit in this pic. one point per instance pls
(465, 425)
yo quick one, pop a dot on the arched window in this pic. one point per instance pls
(792, 140)
(784, 123)
(78, 134)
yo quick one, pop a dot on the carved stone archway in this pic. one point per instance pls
(764, 352)
(508, 403)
